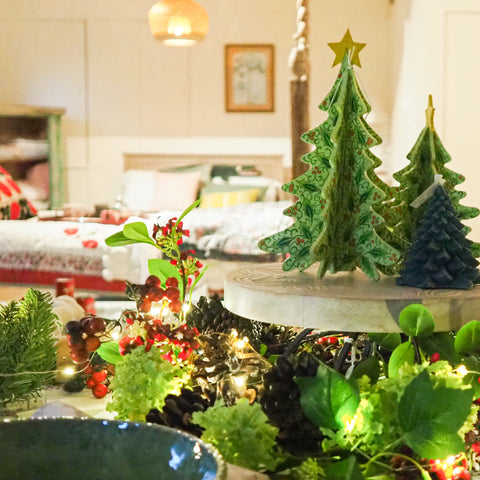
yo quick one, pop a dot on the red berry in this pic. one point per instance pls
(156, 294)
(99, 376)
(175, 306)
(93, 325)
(172, 293)
(323, 341)
(73, 328)
(332, 340)
(152, 281)
(145, 305)
(99, 390)
(75, 343)
(171, 282)
(79, 356)
(435, 357)
(90, 383)
(92, 343)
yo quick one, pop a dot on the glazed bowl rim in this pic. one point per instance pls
(221, 473)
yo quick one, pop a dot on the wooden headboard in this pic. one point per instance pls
(269, 165)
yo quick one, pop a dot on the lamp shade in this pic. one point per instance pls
(178, 22)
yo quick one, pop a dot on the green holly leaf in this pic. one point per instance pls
(347, 469)
(109, 351)
(138, 231)
(163, 269)
(388, 341)
(404, 353)
(467, 339)
(415, 320)
(327, 399)
(429, 423)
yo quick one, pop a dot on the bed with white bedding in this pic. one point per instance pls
(37, 252)
(239, 205)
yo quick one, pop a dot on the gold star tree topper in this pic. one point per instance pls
(344, 45)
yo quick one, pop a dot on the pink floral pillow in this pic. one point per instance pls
(13, 204)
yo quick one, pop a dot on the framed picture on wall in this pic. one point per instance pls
(249, 78)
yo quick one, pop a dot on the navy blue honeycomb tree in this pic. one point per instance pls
(440, 255)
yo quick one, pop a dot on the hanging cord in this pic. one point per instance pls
(344, 351)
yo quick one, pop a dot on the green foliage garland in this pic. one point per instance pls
(241, 434)
(142, 381)
(27, 346)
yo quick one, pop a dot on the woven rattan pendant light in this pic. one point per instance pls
(178, 22)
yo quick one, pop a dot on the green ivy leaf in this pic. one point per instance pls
(118, 240)
(369, 367)
(415, 320)
(473, 365)
(467, 339)
(404, 353)
(388, 341)
(163, 269)
(429, 422)
(138, 231)
(347, 469)
(110, 352)
(327, 399)
(442, 343)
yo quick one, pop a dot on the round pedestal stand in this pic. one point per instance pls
(346, 301)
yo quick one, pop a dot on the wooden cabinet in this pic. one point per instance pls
(30, 135)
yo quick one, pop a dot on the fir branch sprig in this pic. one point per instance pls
(27, 346)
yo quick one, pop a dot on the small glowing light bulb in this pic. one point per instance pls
(239, 344)
(156, 309)
(350, 424)
(69, 371)
(462, 371)
(185, 307)
(239, 380)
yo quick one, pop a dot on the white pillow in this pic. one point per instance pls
(150, 190)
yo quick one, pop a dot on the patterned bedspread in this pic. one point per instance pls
(75, 248)
(233, 232)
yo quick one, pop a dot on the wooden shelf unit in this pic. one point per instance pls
(36, 123)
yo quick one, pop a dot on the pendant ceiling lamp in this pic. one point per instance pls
(178, 22)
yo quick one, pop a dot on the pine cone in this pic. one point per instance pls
(178, 409)
(281, 403)
(218, 361)
(212, 317)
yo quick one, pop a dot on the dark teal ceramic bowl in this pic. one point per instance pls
(70, 449)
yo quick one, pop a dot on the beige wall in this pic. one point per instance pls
(126, 92)
(437, 55)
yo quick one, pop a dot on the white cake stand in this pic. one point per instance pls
(344, 302)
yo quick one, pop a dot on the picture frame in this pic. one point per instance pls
(249, 77)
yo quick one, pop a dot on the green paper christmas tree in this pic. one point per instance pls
(427, 159)
(339, 217)
(440, 255)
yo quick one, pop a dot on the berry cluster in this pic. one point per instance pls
(152, 291)
(172, 234)
(98, 382)
(169, 238)
(177, 342)
(448, 470)
(83, 337)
